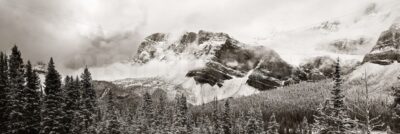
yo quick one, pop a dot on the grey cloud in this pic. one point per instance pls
(68, 29)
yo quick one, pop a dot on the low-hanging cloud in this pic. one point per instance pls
(100, 32)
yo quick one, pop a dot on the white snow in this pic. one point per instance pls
(380, 76)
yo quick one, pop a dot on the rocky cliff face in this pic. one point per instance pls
(387, 48)
(225, 57)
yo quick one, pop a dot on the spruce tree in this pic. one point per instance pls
(182, 124)
(215, 117)
(252, 125)
(113, 125)
(304, 126)
(4, 92)
(161, 121)
(146, 114)
(226, 119)
(72, 98)
(259, 117)
(273, 125)
(88, 101)
(32, 95)
(17, 114)
(396, 109)
(332, 116)
(53, 114)
(77, 124)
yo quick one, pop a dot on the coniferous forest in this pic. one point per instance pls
(69, 104)
(200, 67)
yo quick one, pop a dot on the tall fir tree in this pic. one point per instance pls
(72, 98)
(77, 124)
(146, 114)
(17, 116)
(4, 92)
(113, 125)
(161, 120)
(332, 117)
(89, 103)
(32, 95)
(396, 109)
(273, 125)
(252, 125)
(215, 117)
(53, 113)
(226, 119)
(182, 124)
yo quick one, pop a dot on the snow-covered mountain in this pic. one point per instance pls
(225, 61)
(381, 64)
(204, 65)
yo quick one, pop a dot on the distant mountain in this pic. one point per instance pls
(387, 48)
(225, 58)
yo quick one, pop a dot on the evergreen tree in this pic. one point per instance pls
(146, 114)
(113, 125)
(32, 94)
(273, 126)
(4, 92)
(77, 124)
(252, 126)
(161, 121)
(226, 119)
(215, 118)
(332, 116)
(53, 114)
(396, 109)
(182, 124)
(17, 114)
(72, 98)
(241, 123)
(304, 126)
(88, 101)
(260, 121)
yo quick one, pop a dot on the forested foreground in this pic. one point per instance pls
(72, 106)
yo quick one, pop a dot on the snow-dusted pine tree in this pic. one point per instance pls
(241, 123)
(253, 123)
(146, 115)
(113, 125)
(216, 117)
(52, 112)
(396, 109)
(4, 92)
(78, 116)
(161, 121)
(273, 125)
(226, 119)
(32, 106)
(304, 126)
(89, 102)
(72, 98)
(182, 124)
(17, 114)
(332, 114)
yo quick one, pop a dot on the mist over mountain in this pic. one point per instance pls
(185, 66)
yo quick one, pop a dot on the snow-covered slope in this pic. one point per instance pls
(349, 36)
(169, 57)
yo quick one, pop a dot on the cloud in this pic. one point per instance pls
(100, 32)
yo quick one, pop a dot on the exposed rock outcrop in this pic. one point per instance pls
(348, 46)
(226, 59)
(387, 48)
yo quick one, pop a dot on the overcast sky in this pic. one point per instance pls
(101, 32)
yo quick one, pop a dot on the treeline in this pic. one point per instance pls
(28, 108)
